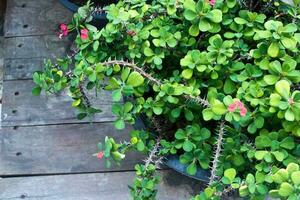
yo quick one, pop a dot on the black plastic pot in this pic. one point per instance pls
(172, 161)
(99, 19)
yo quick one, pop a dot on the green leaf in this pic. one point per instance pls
(176, 112)
(289, 115)
(283, 88)
(140, 145)
(230, 174)
(194, 30)
(190, 15)
(187, 73)
(285, 189)
(271, 79)
(188, 146)
(292, 167)
(36, 91)
(76, 103)
(215, 16)
(207, 114)
(289, 43)
(204, 25)
(218, 107)
(119, 124)
(96, 45)
(192, 169)
(229, 86)
(81, 116)
(135, 79)
(262, 142)
(296, 177)
(117, 95)
(259, 155)
(273, 50)
(180, 134)
(148, 52)
(259, 122)
(157, 110)
(278, 155)
(188, 115)
(239, 20)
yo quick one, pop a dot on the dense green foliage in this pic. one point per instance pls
(218, 81)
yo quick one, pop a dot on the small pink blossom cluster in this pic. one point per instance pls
(100, 155)
(84, 34)
(63, 31)
(238, 105)
(212, 2)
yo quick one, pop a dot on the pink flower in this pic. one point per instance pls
(63, 30)
(84, 34)
(232, 107)
(243, 111)
(212, 2)
(100, 155)
(238, 105)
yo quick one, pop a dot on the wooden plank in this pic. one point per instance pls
(41, 19)
(104, 186)
(20, 107)
(59, 149)
(30, 3)
(47, 46)
(20, 69)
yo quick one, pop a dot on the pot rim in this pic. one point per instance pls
(73, 7)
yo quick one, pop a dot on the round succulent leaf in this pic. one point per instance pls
(192, 169)
(285, 189)
(283, 88)
(188, 146)
(296, 177)
(292, 167)
(194, 30)
(135, 79)
(230, 174)
(273, 50)
(214, 15)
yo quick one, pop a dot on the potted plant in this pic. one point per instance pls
(215, 82)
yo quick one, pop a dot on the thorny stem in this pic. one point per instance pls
(217, 153)
(133, 66)
(84, 96)
(153, 157)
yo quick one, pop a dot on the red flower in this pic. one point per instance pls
(63, 30)
(84, 34)
(238, 105)
(100, 155)
(212, 2)
(131, 32)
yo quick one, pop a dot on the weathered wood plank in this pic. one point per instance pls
(47, 46)
(20, 107)
(20, 69)
(104, 186)
(25, 18)
(58, 149)
(30, 3)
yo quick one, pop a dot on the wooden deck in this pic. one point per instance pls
(45, 153)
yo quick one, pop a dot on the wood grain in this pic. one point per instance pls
(22, 69)
(27, 18)
(21, 108)
(104, 186)
(59, 149)
(47, 46)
